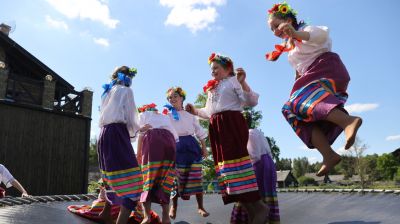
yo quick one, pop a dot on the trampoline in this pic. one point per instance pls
(298, 206)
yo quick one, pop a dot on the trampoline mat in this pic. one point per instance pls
(295, 207)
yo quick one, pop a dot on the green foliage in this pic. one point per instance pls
(397, 176)
(346, 166)
(274, 148)
(93, 157)
(252, 117)
(284, 164)
(93, 187)
(305, 181)
(300, 166)
(210, 187)
(387, 165)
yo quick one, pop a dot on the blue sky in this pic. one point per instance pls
(169, 41)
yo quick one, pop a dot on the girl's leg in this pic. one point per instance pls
(147, 212)
(174, 207)
(200, 206)
(105, 215)
(330, 157)
(123, 215)
(350, 124)
(258, 212)
(165, 218)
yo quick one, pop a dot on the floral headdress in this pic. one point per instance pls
(177, 90)
(121, 77)
(225, 61)
(282, 10)
(147, 107)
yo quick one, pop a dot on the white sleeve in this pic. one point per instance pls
(249, 99)
(5, 176)
(318, 34)
(131, 113)
(143, 119)
(198, 129)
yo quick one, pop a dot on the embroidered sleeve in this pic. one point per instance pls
(131, 113)
(318, 34)
(198, 130)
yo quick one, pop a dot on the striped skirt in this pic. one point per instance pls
(266, 180)
(189, 167)
(93, 211)
(228, 138)
(118, 164)
(158, 165)
(321, 89)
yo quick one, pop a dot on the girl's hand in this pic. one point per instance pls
(145, 128)
(191, 109)
(240, 75)
(25, 195)
(204, 152)
(287, 29)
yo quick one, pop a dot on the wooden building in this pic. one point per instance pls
(285, 178)
(44, 124)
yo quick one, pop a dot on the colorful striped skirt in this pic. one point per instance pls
(188, 166)
(321, 89)
(266, 180)
(93, 211)
(118, 164)
(158, 165)
(229, 134)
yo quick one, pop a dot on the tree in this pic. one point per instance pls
(275, 151)
(371, 170)
(300, 166)
(93, 157)
(284, 164)
(387, 165)
(346, 166)
(360, 165)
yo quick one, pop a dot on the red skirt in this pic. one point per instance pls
(229, 134)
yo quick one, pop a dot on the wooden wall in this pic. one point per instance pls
(46, 151)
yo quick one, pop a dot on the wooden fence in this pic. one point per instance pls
(46, 151)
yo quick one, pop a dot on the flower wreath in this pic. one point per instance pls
(147, 107)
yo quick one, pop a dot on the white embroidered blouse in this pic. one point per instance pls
(228, 95)
(188, 124)
(118, 106)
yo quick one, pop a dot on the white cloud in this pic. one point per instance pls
(313, 159)
(101, 41)
(58, 24)
(85, 9)
(359, 107)
(194, 14)
(342, 151)
(393, 138)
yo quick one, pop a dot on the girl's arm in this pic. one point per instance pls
(139, 149)
(248, 97)
(20, 188)
(200, 112)
(204, 148)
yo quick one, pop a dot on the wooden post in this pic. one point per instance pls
(87, 98)
(49, 89)
(3, 82)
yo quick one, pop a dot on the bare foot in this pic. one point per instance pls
(172, 212)
(203, 212)
(328, 164)
(146, 220)
(351, 131)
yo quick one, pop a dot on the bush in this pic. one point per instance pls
(304, 181)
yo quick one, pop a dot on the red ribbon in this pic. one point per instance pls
(211, 84)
